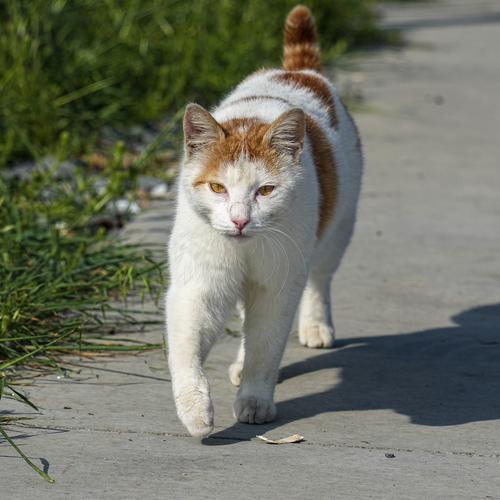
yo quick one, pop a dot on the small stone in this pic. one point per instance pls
(124, 206)
(147, 183)
(159, 191)
(438, 100)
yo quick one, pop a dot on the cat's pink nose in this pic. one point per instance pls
(240, 223)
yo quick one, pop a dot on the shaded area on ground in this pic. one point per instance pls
(437, 377)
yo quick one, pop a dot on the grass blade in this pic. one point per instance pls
(25, 458)
(24, 357)
(21, 397)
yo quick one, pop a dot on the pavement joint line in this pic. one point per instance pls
(306, 442)
(120, 372)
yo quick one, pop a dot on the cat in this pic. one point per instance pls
(266, 206)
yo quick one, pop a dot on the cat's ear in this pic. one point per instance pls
(286, 133)
(200, 129)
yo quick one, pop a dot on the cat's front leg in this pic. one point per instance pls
(268, 320)
(195, 316)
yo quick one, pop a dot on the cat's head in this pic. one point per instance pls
(241, 174)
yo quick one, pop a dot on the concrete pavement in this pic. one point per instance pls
(408, 404)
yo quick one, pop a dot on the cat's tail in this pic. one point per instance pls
(301, 49)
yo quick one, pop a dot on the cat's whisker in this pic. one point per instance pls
(267, 241)
(275, 260)
(285, 254)
(301, 253)
(273, 255)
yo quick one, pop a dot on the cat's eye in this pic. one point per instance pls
(265, 190)
(217, 188)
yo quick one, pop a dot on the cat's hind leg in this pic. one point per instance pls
(315, 322)
(236, 368)
(316, 327)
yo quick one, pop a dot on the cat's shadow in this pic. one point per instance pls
(444, 376)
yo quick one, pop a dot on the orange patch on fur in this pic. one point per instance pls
(300, 56)
(243, 138)
(316, 85)
(324, 161)
(300, 48)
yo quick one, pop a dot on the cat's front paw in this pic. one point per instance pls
(317, 335)
(195, 410)
(235, 370)
(252, 410)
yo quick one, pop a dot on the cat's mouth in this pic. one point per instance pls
(237, 236)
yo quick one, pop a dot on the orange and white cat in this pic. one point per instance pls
(267, 202)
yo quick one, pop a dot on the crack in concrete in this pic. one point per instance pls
(368, 447)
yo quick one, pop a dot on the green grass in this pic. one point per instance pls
(70, 67)
(63, 280)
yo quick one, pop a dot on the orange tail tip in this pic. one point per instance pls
(301, 49)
